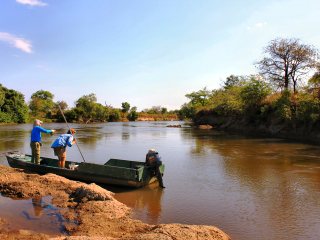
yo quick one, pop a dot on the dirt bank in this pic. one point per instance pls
(99, 215)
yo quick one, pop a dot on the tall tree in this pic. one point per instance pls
(41, 104)
(85, 106)
(288, 61)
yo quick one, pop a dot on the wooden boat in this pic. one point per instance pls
(113, 172)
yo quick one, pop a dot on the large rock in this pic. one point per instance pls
(91, 192)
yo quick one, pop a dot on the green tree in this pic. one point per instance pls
(133, 115)
(254, 91)
(86, 107)
(70, 115)
(63, 105)
(315, 82)
(288, 61)
(232, 81)
(56, 113)
(12, 106)
(114, 115)
(187, 111)
(199, 98)
(226, 102)
(125, 107)
(164, 110)
(101, 113)
(153, 110)
(41, 104)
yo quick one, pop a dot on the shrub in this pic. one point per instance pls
(308, 108)
(254, 92)
(5, 117)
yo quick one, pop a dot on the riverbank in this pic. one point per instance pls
(98, 214)
(272, 127)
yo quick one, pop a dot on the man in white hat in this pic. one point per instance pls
(35, 143)
(154, 162)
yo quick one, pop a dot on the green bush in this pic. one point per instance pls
(132, 116)
(187, 111)
(13, 106)
(308, 108)
(114, 115)
(5, 117)
(282, 107)
(254, 92)
(227, 102)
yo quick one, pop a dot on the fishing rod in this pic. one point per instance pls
(70, 131)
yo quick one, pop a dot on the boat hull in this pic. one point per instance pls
(137, 176)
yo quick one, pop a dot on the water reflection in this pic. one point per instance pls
(276, 178)
(146, 202)
(89, 136)
(36, 214)
(125, 132)
(12, 138)
(37, 206)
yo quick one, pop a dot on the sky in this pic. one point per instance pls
(145, 52)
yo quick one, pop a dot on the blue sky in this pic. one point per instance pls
(146, 52)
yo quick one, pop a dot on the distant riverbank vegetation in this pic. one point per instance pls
(14, 109)
(284, 94)
(283, 97)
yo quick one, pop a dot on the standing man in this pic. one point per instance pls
(36, 140)
(154, 162)
(60, 144)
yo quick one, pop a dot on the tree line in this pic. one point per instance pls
(14, 109)
(286, 90)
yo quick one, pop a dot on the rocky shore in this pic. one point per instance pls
(97, 213)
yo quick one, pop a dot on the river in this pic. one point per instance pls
(251, 188)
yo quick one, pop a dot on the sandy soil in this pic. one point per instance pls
(99, 215)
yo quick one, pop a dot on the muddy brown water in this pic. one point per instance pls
(251, 188)
(36, 214)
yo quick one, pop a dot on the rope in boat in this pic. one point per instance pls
(70, 131)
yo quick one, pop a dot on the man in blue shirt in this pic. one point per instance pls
(36, 140)
(60, 144)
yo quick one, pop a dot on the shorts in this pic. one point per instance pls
(59, 151)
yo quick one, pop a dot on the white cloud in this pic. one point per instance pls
(20, 43)
(32, 2)
(257, 25)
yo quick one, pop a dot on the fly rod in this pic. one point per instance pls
(70, 131)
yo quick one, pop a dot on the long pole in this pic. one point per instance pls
(70, 131)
